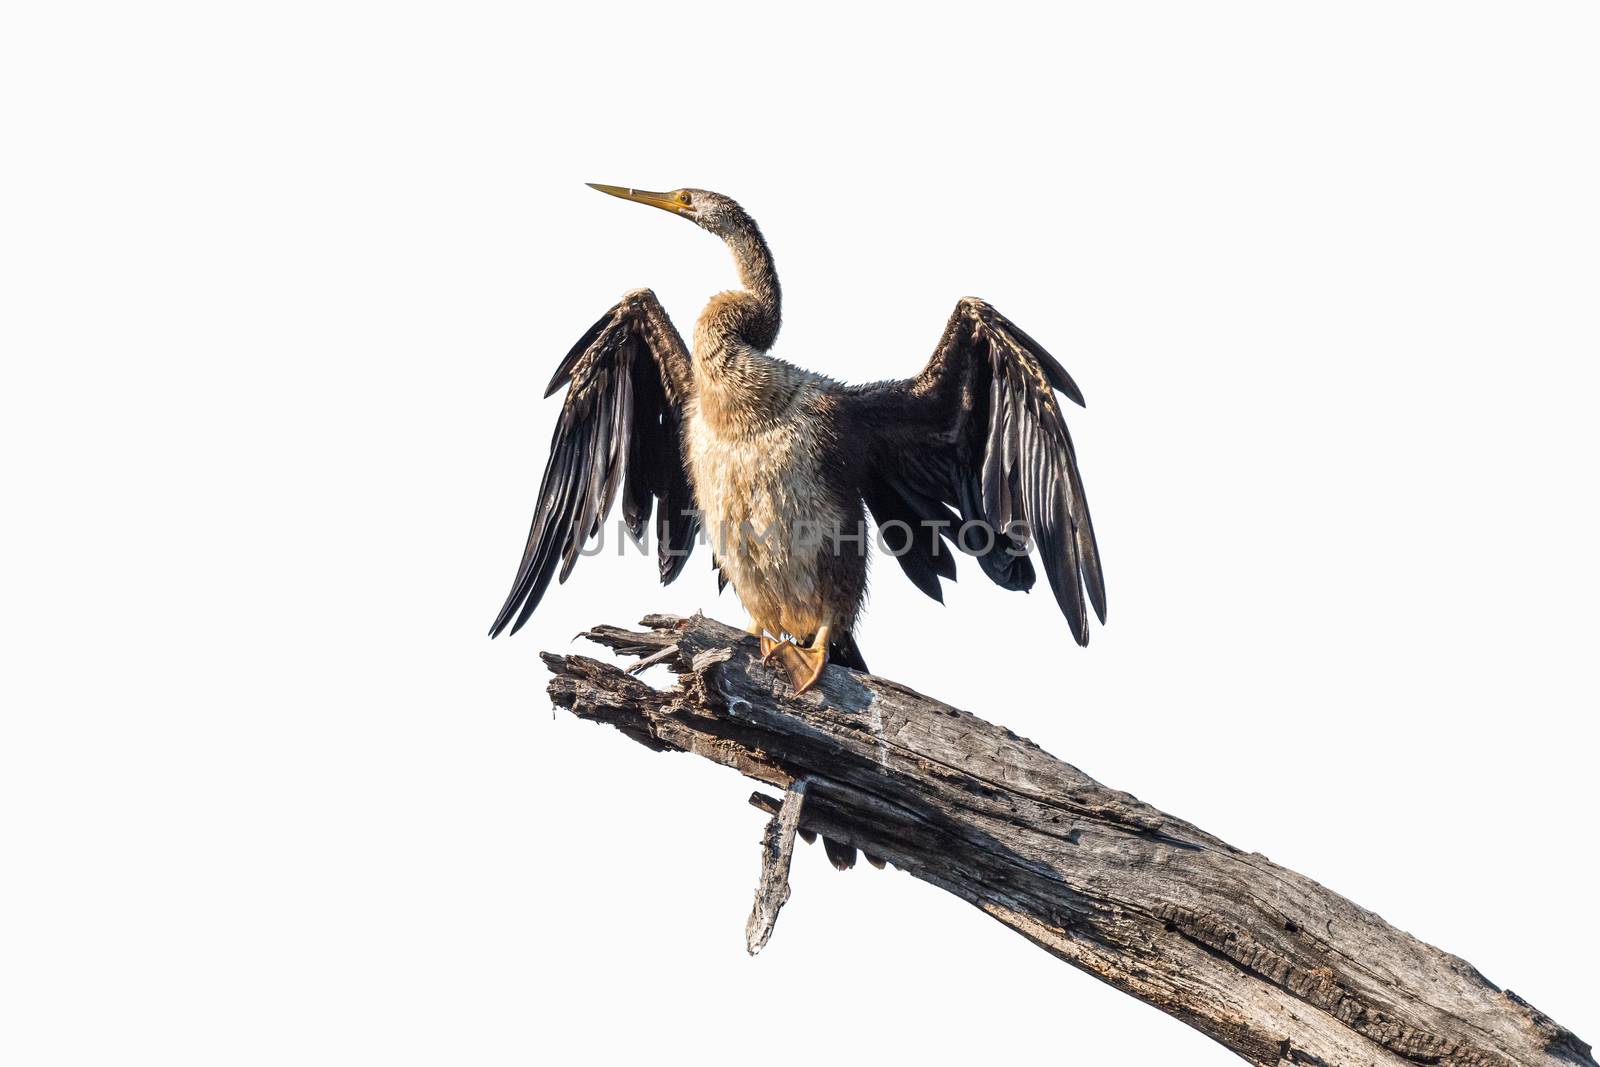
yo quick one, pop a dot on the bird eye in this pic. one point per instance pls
(683, 198)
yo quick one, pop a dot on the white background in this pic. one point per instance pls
(282, 285)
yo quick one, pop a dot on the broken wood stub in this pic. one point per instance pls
(777, 849)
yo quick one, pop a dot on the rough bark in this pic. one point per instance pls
(1263, 960)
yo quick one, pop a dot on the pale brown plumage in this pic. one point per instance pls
(722, 438)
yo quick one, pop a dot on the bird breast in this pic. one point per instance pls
(765, 506)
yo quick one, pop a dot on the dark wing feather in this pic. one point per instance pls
(980, 430)
(620, 432)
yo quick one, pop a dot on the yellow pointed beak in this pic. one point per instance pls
(664, 201)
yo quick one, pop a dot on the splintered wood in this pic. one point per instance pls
(777, 849)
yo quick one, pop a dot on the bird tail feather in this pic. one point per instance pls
(844, 651)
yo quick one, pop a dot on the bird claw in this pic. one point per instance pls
(802, 665)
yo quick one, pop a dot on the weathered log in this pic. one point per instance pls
(1263, 960)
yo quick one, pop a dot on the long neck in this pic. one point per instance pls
(738, 387)
(759, 277)
(752, 314)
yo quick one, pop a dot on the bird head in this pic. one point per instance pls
(713, 212)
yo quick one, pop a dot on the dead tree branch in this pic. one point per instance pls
(1261, 959)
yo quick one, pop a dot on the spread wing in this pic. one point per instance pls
(980, 431)
(621, 423)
